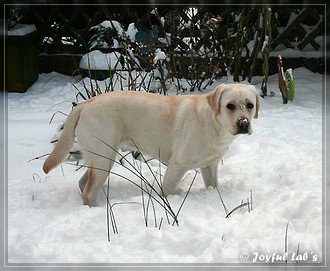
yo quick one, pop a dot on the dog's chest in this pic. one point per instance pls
(221, 145)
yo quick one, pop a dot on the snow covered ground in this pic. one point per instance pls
(281, 163)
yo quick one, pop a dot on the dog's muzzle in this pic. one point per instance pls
(243, 125)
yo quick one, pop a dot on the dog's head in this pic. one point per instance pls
(235, 105)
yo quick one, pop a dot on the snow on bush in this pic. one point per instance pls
(96, 60)
(111, 34)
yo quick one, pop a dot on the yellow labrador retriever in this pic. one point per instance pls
(184, 132)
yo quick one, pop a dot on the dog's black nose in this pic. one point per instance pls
(243, 125)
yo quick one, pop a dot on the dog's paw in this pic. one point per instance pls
(88, 201)
(168, 192)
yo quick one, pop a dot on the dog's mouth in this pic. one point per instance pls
(242, 131)
(243, 126)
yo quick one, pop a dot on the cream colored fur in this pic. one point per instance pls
(184, 132)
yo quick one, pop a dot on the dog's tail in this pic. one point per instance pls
(65, 142)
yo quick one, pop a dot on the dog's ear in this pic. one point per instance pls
(256, 114)
(213, 98)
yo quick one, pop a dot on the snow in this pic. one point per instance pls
(293, 53)
(131, 31)
(22, 30)
(112, 24)
(96, 60)
(281, 163)
(265, 44)
(159, 55)
(101, 42)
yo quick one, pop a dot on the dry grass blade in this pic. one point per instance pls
(159, 199)
(185, 197)
(237, 208)
(297, 253)
(248, 203)
(286, 241)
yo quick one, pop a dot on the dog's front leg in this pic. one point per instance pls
(210, 174)
(173, 175)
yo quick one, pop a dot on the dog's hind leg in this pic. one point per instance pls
(83, 180)
(96, 176)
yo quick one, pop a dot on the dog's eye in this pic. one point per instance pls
(249, 106)
(231, 106)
